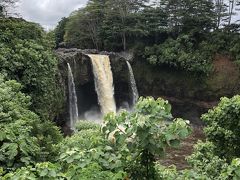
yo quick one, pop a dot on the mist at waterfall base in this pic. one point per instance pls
(104, 88)
(95, 115)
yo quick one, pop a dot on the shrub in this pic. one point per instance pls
(24, 139)
(205, 160)
(17, 146)
(170, 173)
(48, 136)
(86, 125)
(222, 146)
(85, 139)
(144, 134)
(51, 171)
(183, 53)
(222, 127)
(232, 171)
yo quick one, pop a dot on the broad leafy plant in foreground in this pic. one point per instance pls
(144, 134)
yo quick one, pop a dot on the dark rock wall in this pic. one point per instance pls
(83, 77)
(190, 94)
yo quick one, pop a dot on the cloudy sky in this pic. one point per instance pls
(47, 12)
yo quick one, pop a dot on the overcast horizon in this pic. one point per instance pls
(47, 12)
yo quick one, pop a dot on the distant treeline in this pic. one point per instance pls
(180, 33)
(121, 24)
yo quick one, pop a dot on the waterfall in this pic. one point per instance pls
(134, 90)
(73, 108)
(103, 82)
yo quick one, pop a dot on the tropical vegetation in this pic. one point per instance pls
(183, 34)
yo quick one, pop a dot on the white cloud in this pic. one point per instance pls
(47, 12)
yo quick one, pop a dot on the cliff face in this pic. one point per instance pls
(190, 95)
(81, 68)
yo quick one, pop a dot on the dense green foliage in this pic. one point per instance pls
(28, 95)
(229, 172)
(17, 144)
(215, 158)
(181, 53)
(123, 147)
(190, 53)
(24, 139)
(26, 57)
(204, 160)
(222, 145)
(184, 34)
(223, 123)
(60, 31)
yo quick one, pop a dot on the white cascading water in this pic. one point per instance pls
(103, 79)
(134, 89)
(73, 108)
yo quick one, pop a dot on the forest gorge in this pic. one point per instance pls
(117, 88)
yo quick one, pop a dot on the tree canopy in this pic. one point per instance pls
(192, 26)
(26, 56)
(107, 24)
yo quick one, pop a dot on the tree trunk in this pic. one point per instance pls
(92, 29)
(219, 9)
(231, 5)
(124, 41)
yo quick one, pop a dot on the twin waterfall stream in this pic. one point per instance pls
(134, 89)
(104, 87)
(73, 108)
